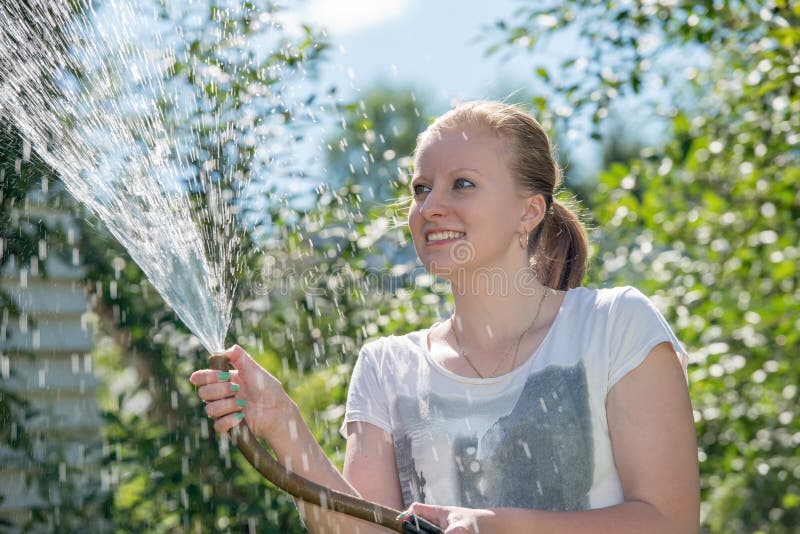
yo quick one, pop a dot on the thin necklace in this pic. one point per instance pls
(538, 309)
(463, 352)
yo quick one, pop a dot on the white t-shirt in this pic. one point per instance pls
(536, 437)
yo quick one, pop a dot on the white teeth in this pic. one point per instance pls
(438, 236)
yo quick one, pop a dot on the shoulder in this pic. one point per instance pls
(635, 327)
(630, 304)
(614, 308)
(392, 346)
(391, 359)
(608, 300)
(611, 295)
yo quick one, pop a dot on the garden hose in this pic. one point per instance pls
(311, 492)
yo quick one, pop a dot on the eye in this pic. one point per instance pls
(462, 183)
(419, 189)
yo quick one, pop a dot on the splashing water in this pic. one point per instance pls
(86, 95)
(112, 152)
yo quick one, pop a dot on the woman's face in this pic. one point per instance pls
(467, 210)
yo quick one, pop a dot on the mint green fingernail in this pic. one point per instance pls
(235, 387)
(241, 402)
(223, 375)
(239, 416)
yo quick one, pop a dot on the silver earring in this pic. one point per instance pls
(527, 240)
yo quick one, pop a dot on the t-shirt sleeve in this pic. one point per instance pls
(636, 326)
(366, 400)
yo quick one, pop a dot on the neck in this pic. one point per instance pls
(488, 315)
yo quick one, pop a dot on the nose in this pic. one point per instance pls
(434, 205)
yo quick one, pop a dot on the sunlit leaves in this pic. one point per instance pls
(378, 134)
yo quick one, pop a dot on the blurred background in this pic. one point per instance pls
(677, 124)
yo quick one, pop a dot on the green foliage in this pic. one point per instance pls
(379, 135)
(707, 223)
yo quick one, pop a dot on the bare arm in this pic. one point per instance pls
(370, 465)
(370, 472)
(655, 451)
(251, 392)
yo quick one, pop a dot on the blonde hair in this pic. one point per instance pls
(558, 246)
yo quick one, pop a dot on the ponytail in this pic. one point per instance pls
(559, 248)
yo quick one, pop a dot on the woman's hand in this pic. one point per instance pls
(249, 392)
(453, 520)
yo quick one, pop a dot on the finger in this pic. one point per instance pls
(239, 358)
(434, 514)
(224, 424)
(420, 509)
(258, 377)
(221, 408)
(209, 376)
(219, 390)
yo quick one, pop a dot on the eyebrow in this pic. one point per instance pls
(476, 171)
(454, 171)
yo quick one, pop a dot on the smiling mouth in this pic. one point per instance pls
(436, 237)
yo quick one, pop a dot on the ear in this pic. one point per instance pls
(535, 207)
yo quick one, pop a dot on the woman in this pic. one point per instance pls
(538, 406)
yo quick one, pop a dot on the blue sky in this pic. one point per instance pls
(428, 45)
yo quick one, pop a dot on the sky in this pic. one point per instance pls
(428, 45)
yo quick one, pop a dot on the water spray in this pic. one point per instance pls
(118, 155)
(309, 491)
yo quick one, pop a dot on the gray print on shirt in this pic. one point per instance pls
(538, 456)
(412, 482)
